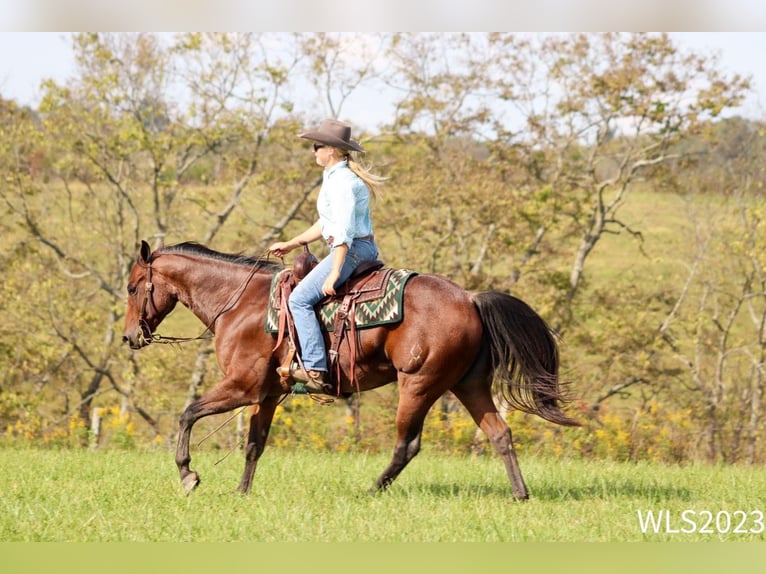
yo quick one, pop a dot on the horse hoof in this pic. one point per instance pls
(190, 482)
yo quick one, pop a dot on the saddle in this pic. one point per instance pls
(368, 283)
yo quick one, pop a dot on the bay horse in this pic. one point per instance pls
(448, 340)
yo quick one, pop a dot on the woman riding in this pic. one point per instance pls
(344, 223)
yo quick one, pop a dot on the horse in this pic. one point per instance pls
(449, 339)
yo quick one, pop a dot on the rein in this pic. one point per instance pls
(146, 332)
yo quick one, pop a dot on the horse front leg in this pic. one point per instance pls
(224, 397)
(260, 423)
(189, 479)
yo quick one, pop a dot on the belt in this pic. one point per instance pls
(371, 237)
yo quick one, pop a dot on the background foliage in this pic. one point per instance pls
(603, 178)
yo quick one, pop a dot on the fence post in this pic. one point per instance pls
(95, 427)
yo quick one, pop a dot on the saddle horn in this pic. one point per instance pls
(304, 262)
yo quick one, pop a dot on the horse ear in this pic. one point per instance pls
(144, 253)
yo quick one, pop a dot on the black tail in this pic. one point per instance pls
(525, 357)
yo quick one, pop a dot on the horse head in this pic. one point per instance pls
(150, 299)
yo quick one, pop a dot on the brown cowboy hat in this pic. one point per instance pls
(333, 133)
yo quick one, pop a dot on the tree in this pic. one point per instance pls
(717, 328)
(123, 152)
(511, 159)
(445, 202)
(601, 114)
(525, 147)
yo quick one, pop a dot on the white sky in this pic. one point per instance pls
(27, 58)
(370, 15)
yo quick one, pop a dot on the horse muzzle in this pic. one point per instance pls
(139, 337)
(133, 341)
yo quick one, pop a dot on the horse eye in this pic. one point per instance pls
(132, 289)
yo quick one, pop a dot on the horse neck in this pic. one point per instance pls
(207, 286)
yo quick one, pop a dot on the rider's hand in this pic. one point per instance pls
(281, 248)
(328, 287)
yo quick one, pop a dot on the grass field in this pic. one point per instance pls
(110, 496)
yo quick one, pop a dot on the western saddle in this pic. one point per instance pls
(367, 283)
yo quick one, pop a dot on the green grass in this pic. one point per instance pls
(85, 496)
(667, 239)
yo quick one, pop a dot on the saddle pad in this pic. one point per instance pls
(381, 311)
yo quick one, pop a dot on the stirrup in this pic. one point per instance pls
(304, 383)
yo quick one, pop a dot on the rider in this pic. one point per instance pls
(344, 223)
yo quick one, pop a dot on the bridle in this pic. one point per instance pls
(146, 332)
(147, 337)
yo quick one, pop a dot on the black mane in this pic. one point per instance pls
(193, 248)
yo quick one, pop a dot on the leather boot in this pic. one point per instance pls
(314, 381)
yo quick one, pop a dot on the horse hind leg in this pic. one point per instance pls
(407, 446)
(477, 399)
(410, 415)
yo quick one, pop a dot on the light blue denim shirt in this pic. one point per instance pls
(343, 205)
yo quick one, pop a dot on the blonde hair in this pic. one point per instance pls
(371, 180)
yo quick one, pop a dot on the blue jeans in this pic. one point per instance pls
(309, 292)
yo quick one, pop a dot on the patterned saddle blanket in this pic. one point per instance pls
(377, 300)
